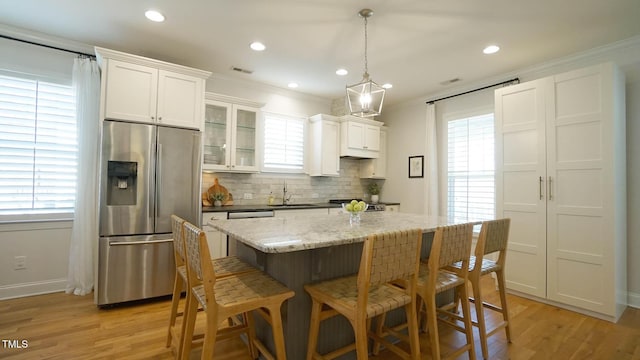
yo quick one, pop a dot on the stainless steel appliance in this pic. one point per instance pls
(148, 173)
(371, 207)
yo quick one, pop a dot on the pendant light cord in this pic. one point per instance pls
(366, 64)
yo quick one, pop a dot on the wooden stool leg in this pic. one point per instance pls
(379, 325)
(360, 330)
(188, 325)
(278, 333)
(482, 326)
(412, 323)
(314, 328)
(468, 327)
(432, 324)
(175, 300)
(210, 335)
(503, 302)
(251, 334)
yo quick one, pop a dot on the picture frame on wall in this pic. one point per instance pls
(416, 166)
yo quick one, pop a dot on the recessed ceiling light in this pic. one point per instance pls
(491, 49)
(387, 86)
(154, 16)
(257, 46)
(342, 72)
(292, 85)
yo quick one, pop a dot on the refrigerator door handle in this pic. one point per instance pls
(127, 243)
(159, 179)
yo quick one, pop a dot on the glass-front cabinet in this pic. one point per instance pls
(230, 135)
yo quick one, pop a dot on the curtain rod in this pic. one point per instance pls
(48, 46)
(507, 82)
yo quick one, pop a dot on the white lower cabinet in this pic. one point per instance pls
(217, 240)
(561, 178)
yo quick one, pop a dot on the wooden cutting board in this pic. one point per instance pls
(217, 188)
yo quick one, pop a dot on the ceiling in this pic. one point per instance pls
(416, 45)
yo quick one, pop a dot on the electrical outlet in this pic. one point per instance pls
(248, 196)
(19, 262)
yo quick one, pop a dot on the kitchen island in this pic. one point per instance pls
(306, 249)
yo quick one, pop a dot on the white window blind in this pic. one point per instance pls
(283, 143)
(38, 147)
(470, 168)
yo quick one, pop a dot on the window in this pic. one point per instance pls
(470, 168)
(38, 147)
(283, 143)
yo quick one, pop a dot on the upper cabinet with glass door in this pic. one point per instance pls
(231, 134)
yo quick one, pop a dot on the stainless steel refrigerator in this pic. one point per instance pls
(148, 173)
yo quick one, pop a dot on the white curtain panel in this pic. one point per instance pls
(431, 163)
(84, 235)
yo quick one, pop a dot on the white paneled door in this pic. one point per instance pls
(560, 147)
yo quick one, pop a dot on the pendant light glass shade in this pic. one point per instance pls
(365, 98)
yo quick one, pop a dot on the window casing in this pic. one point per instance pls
(471, 168)
(283, 143)
(38, 147)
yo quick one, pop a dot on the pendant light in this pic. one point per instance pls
(365, 98)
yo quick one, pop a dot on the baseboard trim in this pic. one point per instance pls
(634, 300)
(564, 306)
(32, 288)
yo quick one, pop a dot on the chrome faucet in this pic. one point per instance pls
(285, 199)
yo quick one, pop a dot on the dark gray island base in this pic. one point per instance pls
(301, 254)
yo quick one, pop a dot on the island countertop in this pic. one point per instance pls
(282, 235)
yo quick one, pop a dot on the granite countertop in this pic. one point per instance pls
(280, 235)
(258, 207)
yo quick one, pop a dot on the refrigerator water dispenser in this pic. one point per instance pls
(122, 183)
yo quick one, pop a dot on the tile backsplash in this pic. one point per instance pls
(301, 187)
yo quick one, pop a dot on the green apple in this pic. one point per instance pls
(353, 202)
(348, 207)
(362, 204)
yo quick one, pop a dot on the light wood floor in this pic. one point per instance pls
(60, 326)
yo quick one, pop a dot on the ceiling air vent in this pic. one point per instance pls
(450, 81)
(244, 71)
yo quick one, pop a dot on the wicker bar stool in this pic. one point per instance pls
(493, 238)
(223, 267)
(385, 258)
(451, 244)
(231, 297)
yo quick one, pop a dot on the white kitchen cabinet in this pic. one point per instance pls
(560, 177)
(376, 168)
(231, 126)
(324, 146)
(359, 137)
(216, 240)
(150, 91)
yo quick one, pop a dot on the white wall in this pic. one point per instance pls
(407, 126)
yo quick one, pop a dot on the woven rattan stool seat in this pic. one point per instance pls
(343, 292)
(445, 280)
(231, 291)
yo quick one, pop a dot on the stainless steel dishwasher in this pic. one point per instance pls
(231, 244)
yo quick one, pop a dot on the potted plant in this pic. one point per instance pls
(374, 191)
(217, 198)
